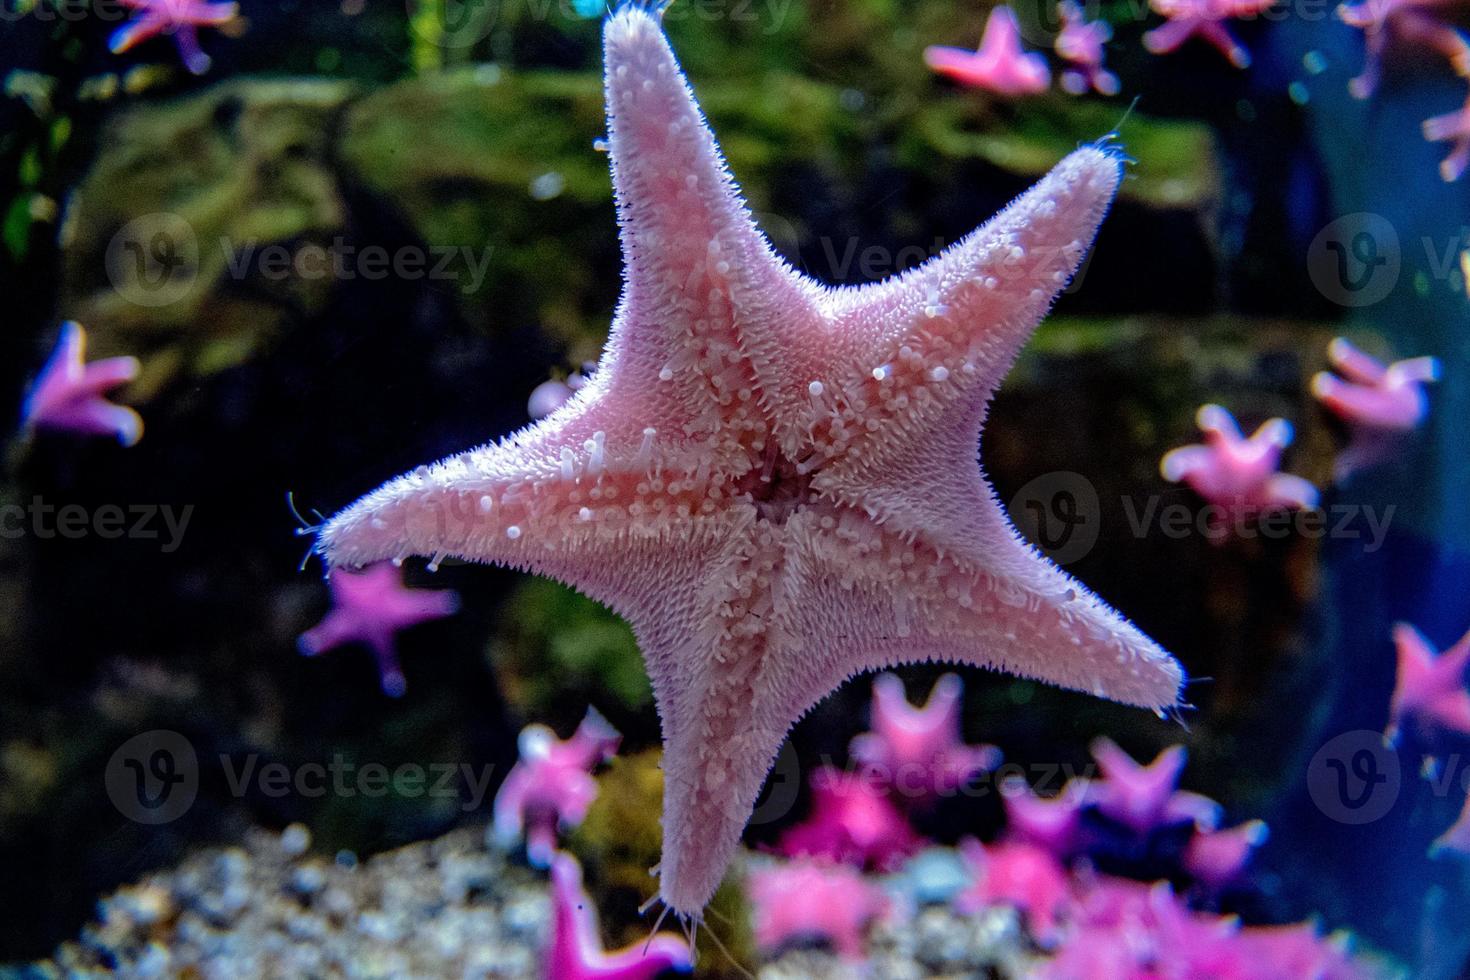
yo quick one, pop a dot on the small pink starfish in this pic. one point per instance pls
(775, 482)
(1053, 823)
(181, 18)
(551, 785)
(1204, 19)
(1020, 875)
(574, 950)
(1000, 65)
(918, 752)
(68, 393)
(1429, 697)
(1143, 798)
(552, 394)
(1238, 474)
(369, 607)
(1080, 43)
(852, 821)
(806, 899)
(1452, 128)
(1297, 950)
(1217, 858)
(1457, 838)
(1378, 402)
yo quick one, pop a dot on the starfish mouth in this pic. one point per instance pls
(778, 489)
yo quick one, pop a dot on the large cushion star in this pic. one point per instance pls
(775, 482)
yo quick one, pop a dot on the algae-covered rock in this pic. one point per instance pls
(621, 840)
(182, 243)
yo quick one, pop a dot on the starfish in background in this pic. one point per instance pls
(369, 607)
(574, 950)
(1378, 402)
(1429, 696)
(1238, 474)
(852, 821)
(551, 785)
(1143, 798)
(181, 18)
(67, 395)
(1000, 65)
(1457, 837)
(1020, 875)
(807, 900)
(919, 752)
(1204, 19)
(1217, 858)
(1053, 823)
(773, 481)
(1080, 43)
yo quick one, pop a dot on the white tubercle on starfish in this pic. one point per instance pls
(774, 481)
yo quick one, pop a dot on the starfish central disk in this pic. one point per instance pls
(774, 481)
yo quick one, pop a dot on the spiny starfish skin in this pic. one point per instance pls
(575, 948)
(181, 18)
(775, 481)
(68, 394)
(370, 607)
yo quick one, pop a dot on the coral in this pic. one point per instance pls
(551, 786)
(1000, 65)
(69, 394)
(370, 607)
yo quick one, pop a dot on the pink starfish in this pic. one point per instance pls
(574, 950)
(1080, 43)
(1379, 402)
(1236, 474)
(1000, 65)
(551, 785)
(1452, 128)
(68, 394)
(552, 394)
(806, 899)
(774, 481)
(1204, 19)
(369, 607)
(1457, 837)
(918, 752)
(1012, 873)
(852, 821)
(1217, 858)
(181, 18)
(1143, 798)
(1053, 823)
(1430, 697)
(1297, 950)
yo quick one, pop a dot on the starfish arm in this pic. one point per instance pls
(707, 304)
(1000, 605)
(1169, 36)
(109, 373)
(1356, 366)
(1414, 370)
(186, 39)
(133, 33)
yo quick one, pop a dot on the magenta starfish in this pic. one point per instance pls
(1000, 65)
(774, 481)
(574, 951)
(806, 900)
(1457, 837)
(1217, 858)
(1020, 875)
(181, 18)
(67, 395)
(369, 607)
(1204, 19)
(1429, 697)
(1143, 798)
(551, 785)
(1080, 43)
(1236, 474)
(918, 752)
(1053, 823)
(1378, 402)
(852, 821)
